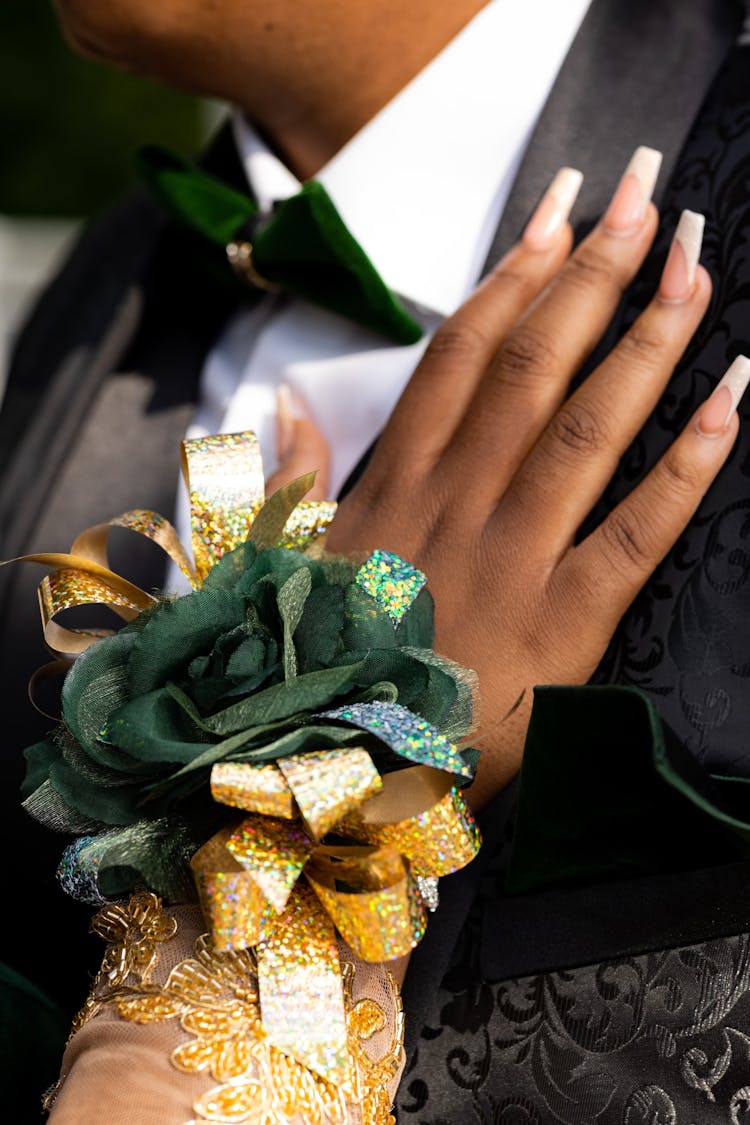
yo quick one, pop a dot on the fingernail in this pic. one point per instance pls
(627, 210)
(285, 418)
(678, 277)
(719, 408)
(553, 210)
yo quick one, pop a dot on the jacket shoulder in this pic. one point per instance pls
(77, 304)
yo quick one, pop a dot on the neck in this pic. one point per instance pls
(334, 84)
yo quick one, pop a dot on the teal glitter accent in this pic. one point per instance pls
(391, 581)
(77, 871)
(408, 735)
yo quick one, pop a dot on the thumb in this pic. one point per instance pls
(300, 445)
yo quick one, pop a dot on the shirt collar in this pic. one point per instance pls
(423, 184)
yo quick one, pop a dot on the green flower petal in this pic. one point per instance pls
(305, 693)
(110, 804)
(180, 631)
(39, 759)
(155, 728)
(317, 637)
(97, 685)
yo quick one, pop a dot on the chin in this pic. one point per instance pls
(96, 30)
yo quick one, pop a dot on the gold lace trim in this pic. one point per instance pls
(215, 997)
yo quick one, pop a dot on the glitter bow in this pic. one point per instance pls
(224, 476)
(404, 825)
(327, 844)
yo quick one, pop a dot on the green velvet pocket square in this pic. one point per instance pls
(606, 791)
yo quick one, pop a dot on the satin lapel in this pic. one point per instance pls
(636, 74)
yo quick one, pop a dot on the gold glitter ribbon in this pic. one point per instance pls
(413, 822)
(224, 475)
(249, 875)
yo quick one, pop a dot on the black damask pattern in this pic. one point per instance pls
(657, 1039)
(686, 639)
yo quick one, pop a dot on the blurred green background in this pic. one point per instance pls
(68, 127)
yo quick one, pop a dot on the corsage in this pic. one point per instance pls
(282, 742)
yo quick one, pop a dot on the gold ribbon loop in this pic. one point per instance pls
(301, 988)
(85, 583)
(308, 522)
(259, 789)
(421, 813)
(233, 905)
(273, 852)
(330, 783)
(224, 476)
(372, 899)
(93, 542)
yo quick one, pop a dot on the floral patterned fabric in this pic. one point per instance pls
(655, 1039)
(686, 638)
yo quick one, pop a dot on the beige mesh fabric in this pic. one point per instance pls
(372, 982)
(123, 1069)
(121, 1072)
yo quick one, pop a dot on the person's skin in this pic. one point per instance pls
(482, 476)
(308, 74)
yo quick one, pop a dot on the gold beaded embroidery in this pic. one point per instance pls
(133, 933)
(215, 997)
(372, 1076)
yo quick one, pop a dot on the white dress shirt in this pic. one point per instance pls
(422, 187)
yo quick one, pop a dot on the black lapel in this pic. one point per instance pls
(636, 74)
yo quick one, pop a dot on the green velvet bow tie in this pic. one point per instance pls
(302, 247)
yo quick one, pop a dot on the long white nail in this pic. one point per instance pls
(565, 188)
(285, 419)
(724, 400)
(554, 209)
(645, 165)
(737, 379)
(689, 235)
(627, 210)
(678, 276)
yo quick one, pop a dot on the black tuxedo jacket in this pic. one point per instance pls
(636, 985)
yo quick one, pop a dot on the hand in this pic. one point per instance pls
(487, 469)
(300, 445)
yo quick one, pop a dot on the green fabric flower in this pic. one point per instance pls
(243, 670)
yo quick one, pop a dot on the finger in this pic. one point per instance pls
(532, 371)
(300, 445)
(613, 563)
(570, 466)
(464, 345)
